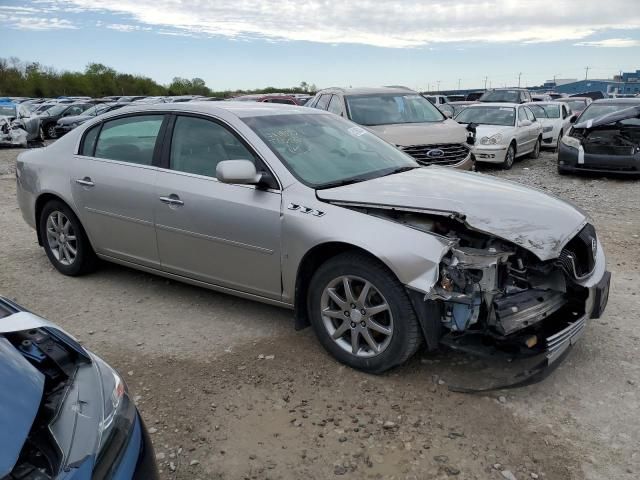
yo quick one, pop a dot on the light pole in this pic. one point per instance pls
(519, 75)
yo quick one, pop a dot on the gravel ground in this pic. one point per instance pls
(230, 391)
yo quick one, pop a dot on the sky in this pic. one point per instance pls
(242, 44)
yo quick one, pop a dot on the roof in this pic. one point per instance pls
(239, 109)
(497, 104)
(619, 101)
(369, 90)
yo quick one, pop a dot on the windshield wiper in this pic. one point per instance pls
(400, 170)
(342, 183)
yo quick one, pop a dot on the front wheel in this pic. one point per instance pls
(509, 157)
(362, 314)
(65, 241)
(50, 130)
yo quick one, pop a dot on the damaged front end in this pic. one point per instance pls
(12, 132)
(497, 300)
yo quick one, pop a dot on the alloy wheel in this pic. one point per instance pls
(61, 238)
(51, 131)
(357, 316)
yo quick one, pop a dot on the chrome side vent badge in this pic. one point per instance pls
(307, 210)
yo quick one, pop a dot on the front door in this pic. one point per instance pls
(226, 235)
(113, 187)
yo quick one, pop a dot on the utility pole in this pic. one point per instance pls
(438, 86)
(519, 75)
(459, 80)
(428, 88)
(586, 72)
(485, 82)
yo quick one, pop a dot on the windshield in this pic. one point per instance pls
(505, 116)
(326, 150)
(97, 110)
(8, 110)
(577, 104)
(509, 96)
(539, 111)
(596, 110)
(387, 109)
(57, 109)
(552, 111)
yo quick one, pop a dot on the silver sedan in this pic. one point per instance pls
(300, 208)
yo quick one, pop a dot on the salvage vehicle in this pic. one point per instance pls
(555, 117)
(405, 119)
(437, 100)
(65, 413)
(18, 126)
(507, 95)
(49, 118)
(66, 124)
(576, 104)
(300, 208)
(604, 139)
(506, 131)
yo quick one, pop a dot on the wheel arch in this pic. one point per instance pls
(41, 201)
(315, 257)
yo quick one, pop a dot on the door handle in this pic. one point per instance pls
(85, 182)
(172, 200)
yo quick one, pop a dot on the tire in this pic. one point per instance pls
(536, 150)
(562, 171)
(58, 223)
(50, 131)
(509, 157)
(396, 331)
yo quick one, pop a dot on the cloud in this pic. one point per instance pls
(127, 28)
(29, 22)
(611, 43)
(390, 23)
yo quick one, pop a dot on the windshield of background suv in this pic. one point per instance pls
(508, 96)
(596, 110)
(8, 110)
(505, 116)
(326, 150)
(394, 108)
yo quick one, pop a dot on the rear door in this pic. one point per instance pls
(113, 188)
(523, 133)
(222, 234)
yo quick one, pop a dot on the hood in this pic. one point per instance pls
(489, 130)
(620, 115)
(428, 133)
(20, 396)
(538, 222)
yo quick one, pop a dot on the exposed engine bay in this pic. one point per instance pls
(610, 139)
(493, 292)
(12, 132)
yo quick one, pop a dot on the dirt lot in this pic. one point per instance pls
(230, 391)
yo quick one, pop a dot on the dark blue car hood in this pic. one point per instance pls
(21, 387)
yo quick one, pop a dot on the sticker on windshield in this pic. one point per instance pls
(506, 109)
(357, 131)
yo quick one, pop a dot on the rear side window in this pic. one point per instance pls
(198, 145)
(335, 106)
(323, 102)
(129, 139)
(89, 142)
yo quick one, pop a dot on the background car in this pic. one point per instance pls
(66, 124)
(556, 118)
(375, 252)
(16, 119)
(576, 104)
(508, 95)
(49, 118)
(437, 100)
(504, 132)
(403, 118)
(65, 413)
(604, 139)
(453, 108)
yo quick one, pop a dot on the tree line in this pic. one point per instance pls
(32, 79)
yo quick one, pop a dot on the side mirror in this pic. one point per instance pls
(525, 123)
(573, 119)
(241, 172)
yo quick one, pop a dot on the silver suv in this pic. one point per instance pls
(404, 118)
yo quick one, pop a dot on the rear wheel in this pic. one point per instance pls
(65, 241)
(361, 313)
(536, 149)
(510, 157)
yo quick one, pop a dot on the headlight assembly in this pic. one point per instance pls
(571, 141)
(492, 140)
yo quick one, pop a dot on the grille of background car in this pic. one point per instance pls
(578, 257)
(452, 153)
